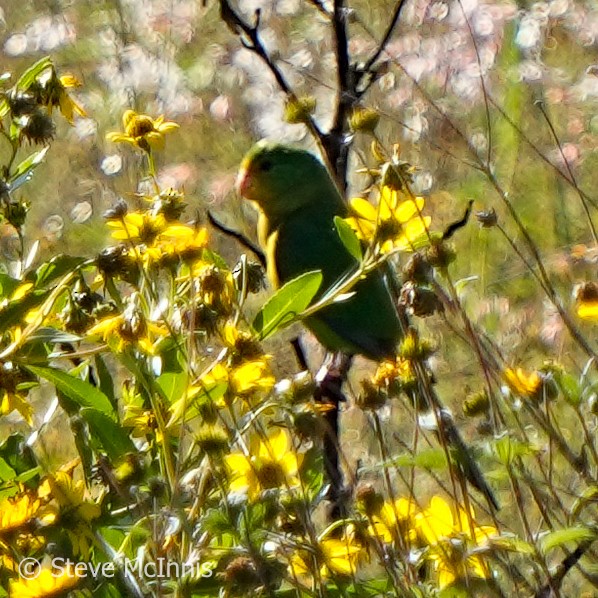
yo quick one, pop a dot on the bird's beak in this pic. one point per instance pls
(243, 182)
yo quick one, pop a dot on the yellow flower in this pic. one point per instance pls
(69, 502)
(341, 555)
(587, 301)
(183, 241)
(130, 328)
(252, 376)
(271, 463)
(334, 555)
(49, 583)
(17, 511)
(54, 92)
(142, 421)
(11, 396)
(389, 373)
(138, 228)
(14, 401)
(216, 287)
(454, 542)
(176, 243)
(397, 222)
(143, 131)
(242, 345)
(523, 384)
(392, 519)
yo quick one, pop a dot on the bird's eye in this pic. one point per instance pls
(266, 165)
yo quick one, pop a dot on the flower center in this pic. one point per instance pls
(270, 475)
(140, 126)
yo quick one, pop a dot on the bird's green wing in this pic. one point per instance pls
(367, 321)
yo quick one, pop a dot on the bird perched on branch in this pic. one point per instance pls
(297, 203)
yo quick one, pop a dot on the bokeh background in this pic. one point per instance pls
(178, 58)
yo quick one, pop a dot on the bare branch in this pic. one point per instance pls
(240, 237)
(336, 147)
(367, 68)
(250, 38)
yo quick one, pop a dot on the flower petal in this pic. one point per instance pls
(363, 208)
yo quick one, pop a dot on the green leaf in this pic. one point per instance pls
(464, 282)
(188, 408)
(7, 473)
(475, 586)
(210, 256)
(14, 131)
(17, 454)
(4, 108)
(104, 378)
(173, 385)
(47, 334)
(512, 544)
(58, 266)
(7, 285)
(113, 438)
(81, 392)
(25, 169)
(348, 238)
(564, 536)
(34, 71)
(570, 388)
(434, 458)
(286, 304)
(24, 477)
(312, 471)
(507, 449)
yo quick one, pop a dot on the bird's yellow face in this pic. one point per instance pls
(282, 179)
(263, 176)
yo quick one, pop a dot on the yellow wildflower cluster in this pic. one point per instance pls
(61, 501)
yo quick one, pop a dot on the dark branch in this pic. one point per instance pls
(240, 237)
(250, 38)
(300, 354)
(336, 147)
(555, 581)
(453, 227)
(367, 67)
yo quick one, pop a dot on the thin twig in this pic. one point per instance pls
(555, 580)
(250, 38)
(320, 6)
(584, 204)
(367, 67)
(593, 202)
(529, 242)
(240, 237)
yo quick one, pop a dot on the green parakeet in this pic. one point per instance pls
(297, 203)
